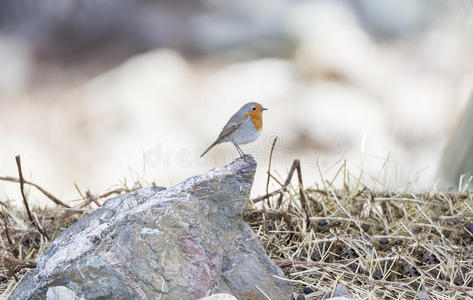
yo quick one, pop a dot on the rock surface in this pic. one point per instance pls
(422, 295)
(60, 293)
(341, 291)
(219, 297)
(184, 242)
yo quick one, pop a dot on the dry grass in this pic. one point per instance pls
(381, 245)
(21, 242)
(26, 232)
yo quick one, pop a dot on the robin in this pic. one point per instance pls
(243, 127)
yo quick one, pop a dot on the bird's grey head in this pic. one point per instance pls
(252, 106)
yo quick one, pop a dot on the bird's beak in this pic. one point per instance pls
(264, 108)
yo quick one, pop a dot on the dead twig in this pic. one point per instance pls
(274, 193)
(115, 192)
(296, 165)
(269, 168)
(79, 191)
(13, 265)
(286, 183)
(287, 262)
(304, 202)
(46, 193)
(7, 230)
(25, 201)
(91, 198)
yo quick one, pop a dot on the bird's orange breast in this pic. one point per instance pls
(256, 117)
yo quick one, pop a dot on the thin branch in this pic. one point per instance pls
(13, 265)
(25, 201)
(79, 191)
(46, 193)
(92, 198)
(274, 193)
(286, 183)
(7, 230)
(115, 191)
(295, 166)
(304, 202)
(269, 167)
(287, 262)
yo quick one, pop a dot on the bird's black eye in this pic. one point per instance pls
(254, 108)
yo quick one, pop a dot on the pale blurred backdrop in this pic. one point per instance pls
(102, 91)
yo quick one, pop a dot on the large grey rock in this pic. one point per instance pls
(184, 242)
(219, 297)
(341, 291)
(60, 293)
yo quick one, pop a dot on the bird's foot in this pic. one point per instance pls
(245, 156)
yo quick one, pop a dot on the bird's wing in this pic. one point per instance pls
(228, 130)
(233, 124)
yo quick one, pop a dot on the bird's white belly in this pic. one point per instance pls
(246, 133)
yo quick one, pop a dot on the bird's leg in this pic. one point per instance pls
(239, 150)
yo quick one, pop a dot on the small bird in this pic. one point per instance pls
(243, 127)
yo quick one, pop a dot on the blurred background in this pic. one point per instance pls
(102, 92)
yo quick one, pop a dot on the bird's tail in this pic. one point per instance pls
(210, 147)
